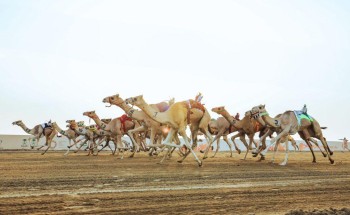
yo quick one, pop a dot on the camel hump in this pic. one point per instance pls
(197, 105)
(162, 106)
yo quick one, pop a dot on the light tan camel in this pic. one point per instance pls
(146, 122)
(117, 127)
(177, 117)
(220, 127)
(289, 125)
(263, 149)
(38, 131)
(246, 126)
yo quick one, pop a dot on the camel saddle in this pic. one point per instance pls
(193, 104)
(123, 119)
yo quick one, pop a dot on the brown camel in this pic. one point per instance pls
(178, 116)
(147, 123)
(69, 133)
(89, 134)
(221, 128)
(246, 126)
(117, 127)
(38, 131)
(290, 125)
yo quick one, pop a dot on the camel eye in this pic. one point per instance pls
(112, 98)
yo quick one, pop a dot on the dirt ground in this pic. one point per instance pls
(77, 184)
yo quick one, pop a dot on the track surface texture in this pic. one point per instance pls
(78, 184)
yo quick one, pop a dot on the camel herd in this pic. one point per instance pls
(162, 123)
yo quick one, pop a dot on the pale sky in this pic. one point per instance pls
(61, 58)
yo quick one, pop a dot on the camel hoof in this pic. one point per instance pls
(324, 155)
(332, 161)
(200, 163)
(201, 151)
(262, 158)
(239, 151)
(283, 164)
(131, 156)
(68, 147)
(180, 161)
(42, 153)
(254, 155)
(331, 153)
(205, 157)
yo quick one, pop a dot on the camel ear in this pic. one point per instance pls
(117, 95)
(264, 106)
(93, 111)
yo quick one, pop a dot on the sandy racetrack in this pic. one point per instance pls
(78, 184)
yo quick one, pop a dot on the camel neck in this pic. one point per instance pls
(26, 129)
(270, 121)
(229, 118)
(98, 122)
(59, 129)
(127, 109)
(159, 117)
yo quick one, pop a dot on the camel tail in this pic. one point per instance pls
(323, 127)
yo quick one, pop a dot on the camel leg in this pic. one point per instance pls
(234, 143)
(228, 143)
(74, 143)
(217, 147)
(182, 132)
(274, 152)
(194, 133)
(166, 154)
(48, 143)
(217, 138)
(325, 146)
(262, 141)
(286, 155)
(250, 145)
(120, 145)
(233, 140)
(81, 145)
(132, 132)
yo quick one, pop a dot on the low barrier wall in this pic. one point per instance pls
(16, 142)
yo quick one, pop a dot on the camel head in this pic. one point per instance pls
(218, 110)
(258, 111)
(115, 99)
(137, 100)
(80, 123)
(106, 120)
(70, 121)
(18, 122)
(90, 114)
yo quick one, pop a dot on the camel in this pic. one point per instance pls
(290, 125)
(38, 131)
(89, 135)
(117, 127)
(147, 123)
(245, 126)
(69, 133)
(221, 127)
(263, 149)
(178, 116)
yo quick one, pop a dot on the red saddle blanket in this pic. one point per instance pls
(123, 119)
